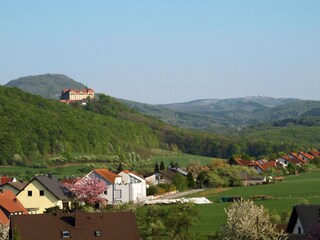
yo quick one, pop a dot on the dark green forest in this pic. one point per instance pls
(34, 129)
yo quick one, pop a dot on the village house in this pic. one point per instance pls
(6, 179)
(286, 160)
(123, 187)
(164, 176)
(77, 225)
(9, 206)
(43, 192)
(305, 156)
(15, 187)
(304, 222)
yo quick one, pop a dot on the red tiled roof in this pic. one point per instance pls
(298, 157)
(3, 218)
(316, 154)
(307, 155)
(5, 179)
(9, 202)
(268, 165)
(105, 173)
(291, 160)
(241, 162)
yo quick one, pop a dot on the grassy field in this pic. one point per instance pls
(293, 190)
(78, 169)
(182, 160)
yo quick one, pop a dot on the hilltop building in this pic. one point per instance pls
(71, 95)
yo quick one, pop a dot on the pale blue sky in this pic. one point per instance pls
(164, 51)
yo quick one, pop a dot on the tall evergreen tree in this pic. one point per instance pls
(119, 169)
(162, 166)
(156, 167)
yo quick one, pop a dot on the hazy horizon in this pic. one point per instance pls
(161, 52)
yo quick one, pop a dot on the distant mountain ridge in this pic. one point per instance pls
(211, 115)
(226, 115)
(46, 85)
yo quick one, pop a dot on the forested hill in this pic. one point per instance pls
(33, 128)
(47, 85)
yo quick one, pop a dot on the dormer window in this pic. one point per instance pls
(97, 233)
(65, 234)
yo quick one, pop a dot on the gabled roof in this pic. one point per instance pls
(106, 174)
(294, 160)
(307, 155)
(52, 184)
(308, 215)
(295, 155)
(267, 165)
(134, 175)
(10, 204)
(81, 225)
(3, 218)
(5, 179)
(316, 154)
(17, 185)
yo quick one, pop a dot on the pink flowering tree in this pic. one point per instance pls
(87, 190)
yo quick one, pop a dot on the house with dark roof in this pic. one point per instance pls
(15, 187)
(77, 225)
(43, 192)
(304, 222)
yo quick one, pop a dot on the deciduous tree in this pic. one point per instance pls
(247, 221)
(87, 190)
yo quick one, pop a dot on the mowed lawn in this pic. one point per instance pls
(304, 188)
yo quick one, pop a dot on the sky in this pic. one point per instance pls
(167, 51)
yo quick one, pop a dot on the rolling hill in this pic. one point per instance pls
(47, 85)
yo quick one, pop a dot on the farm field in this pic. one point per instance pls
(304, 188)
(79, 169)
(182, 160)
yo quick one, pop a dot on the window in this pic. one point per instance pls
(105, 192)
(65, 234)
(29, 193)
(41, 192)
(117, 194)
(97, 233)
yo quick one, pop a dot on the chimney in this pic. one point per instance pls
(50, 175)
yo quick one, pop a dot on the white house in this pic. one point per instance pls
(136, 185)
(123, 187)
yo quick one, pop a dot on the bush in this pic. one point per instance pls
(152, 190)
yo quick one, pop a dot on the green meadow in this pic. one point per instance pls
(182, 159)
(304, 188)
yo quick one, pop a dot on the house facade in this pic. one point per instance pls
(73, 95)
(43, 192)
(15, 187)
(123, 187)
(304, 222)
